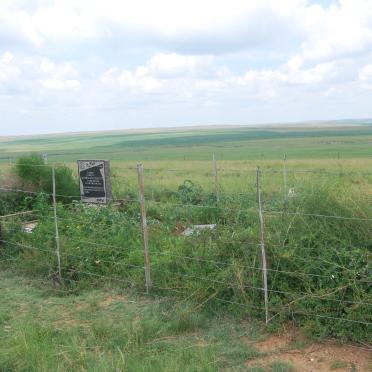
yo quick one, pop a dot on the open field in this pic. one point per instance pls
(171, 156)
(317, 221)
(229, 144)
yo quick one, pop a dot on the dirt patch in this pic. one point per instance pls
(81, 306)
(63, 323)
(109, 300)
(322, 357)
(66, 318)
(272, 343)
(179, 229)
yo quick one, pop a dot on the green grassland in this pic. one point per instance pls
(228, 144)
(171, 156)
(320, 266)
(41, 329)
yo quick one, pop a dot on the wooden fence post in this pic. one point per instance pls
(285, 181)
(56, 224)
(145, 238)
(1, 232)
(262, 243)
(215, 171)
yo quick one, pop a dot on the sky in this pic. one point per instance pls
(81, 65)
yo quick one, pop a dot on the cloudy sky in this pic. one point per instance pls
(71, 65)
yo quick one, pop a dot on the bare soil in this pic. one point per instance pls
(292, 349)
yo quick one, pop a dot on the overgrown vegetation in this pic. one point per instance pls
(31, 174)
(36, 175)
(319, 267)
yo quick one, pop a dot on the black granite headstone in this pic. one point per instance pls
(95, 186)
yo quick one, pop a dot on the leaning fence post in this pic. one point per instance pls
(144, 227)
(215, 172)
(262, 243)
(56, 223)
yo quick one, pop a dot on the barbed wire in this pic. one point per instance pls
(122, 248)
(232, 285)
(263, 169)
(255, 244)
(245, 306)
(317, 215)
(157, 223)
(85, 258)
(172, 204)
(253, 210)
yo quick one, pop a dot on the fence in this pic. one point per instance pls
(280, 250)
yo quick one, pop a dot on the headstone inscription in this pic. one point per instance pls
(95, 185)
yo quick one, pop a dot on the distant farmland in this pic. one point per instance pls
(192, 144)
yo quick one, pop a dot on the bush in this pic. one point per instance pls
(13, 201)
(36, 175)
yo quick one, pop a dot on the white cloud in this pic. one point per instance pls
(35, 75)
(341, 30)
(172, 74)
(8, 71)
(178, 77)
(196, 26)
(164, 65)
(365, 77)
(365, 74)
(221, 55)
(60, 84)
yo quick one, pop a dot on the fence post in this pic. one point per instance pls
(216, 188)
(145, 238)
(285, 181)
(262, 243)
(1, 232)
(56, 223)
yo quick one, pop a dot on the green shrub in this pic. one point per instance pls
(14, 201)
(190, 193)
(35, 174)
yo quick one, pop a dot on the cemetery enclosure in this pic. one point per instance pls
(313, 227)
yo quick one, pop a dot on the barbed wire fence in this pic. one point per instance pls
(131, 271)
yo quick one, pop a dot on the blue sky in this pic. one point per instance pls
(74, 65)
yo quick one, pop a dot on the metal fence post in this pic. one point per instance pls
(141, 187)
(262, 243)
(215, 171)
(56, 224)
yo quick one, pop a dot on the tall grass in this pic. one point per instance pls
(103, 330)
(319, 273)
